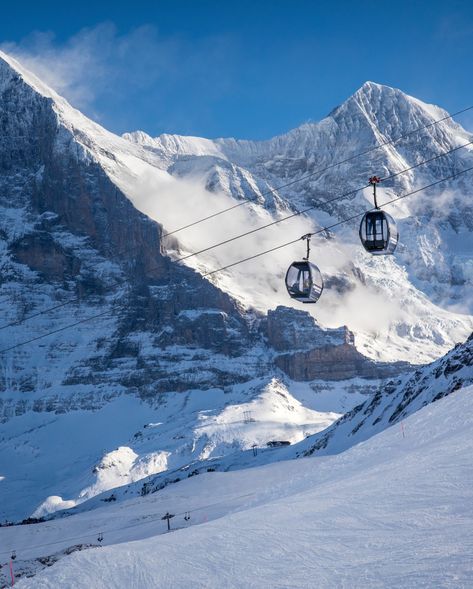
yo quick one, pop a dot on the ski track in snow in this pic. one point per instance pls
(395, 511)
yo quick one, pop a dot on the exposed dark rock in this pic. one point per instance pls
(40, 252)
(289, 329)
(307, 352)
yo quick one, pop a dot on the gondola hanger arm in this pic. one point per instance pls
(307, 237)
(373, 181)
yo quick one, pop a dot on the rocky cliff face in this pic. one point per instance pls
(291, 330)
(305, 351)
(76, 240)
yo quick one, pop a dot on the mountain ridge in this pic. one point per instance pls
(364, 92)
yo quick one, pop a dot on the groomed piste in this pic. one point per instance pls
(393, 511)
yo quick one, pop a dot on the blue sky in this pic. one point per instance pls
(244, 69)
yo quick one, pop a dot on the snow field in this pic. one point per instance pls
(52, 461)
(395, 511)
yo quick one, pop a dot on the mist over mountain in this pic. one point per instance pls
(421, 297)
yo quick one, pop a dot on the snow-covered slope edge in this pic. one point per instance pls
(394, 402)
(394, 511)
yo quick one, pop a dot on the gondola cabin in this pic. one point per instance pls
(304, 282)
(378, 233)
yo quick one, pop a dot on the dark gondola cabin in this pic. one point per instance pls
(304, 282)
(378, 233)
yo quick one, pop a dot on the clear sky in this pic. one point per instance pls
(249, 69)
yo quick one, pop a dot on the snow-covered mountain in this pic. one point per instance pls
(413, 306)
(174, 367)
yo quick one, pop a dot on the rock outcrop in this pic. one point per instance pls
(306, 351)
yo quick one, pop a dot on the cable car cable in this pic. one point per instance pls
(44, 311)
(210, 273)
(321, 170)
(108, 311)
(323, 229)
(339, 197)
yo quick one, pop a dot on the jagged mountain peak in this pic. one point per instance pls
(374, 88)
(382, 94)
(12, 70)
(389, 112)
(374, 113)
(24, 91)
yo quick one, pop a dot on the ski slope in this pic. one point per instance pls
(395, 511)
